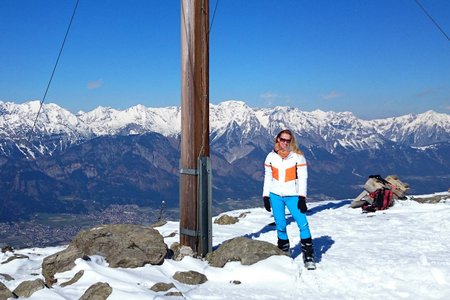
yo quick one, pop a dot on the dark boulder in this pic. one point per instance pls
(122, 245)
(242, 249)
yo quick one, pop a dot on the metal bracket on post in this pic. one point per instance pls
(188, 232)
(204, 205)
(189, 171)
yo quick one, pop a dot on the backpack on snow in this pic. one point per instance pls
(382, 199)
(380, 194)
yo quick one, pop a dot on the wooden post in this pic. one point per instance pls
(194, 113)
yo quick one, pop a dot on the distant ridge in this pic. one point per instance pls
(107, 156)
(325, 129)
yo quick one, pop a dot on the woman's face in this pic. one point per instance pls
(284, 140)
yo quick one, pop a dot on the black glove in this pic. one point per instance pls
(266, 203)
(301, 204)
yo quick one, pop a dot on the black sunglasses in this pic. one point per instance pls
(284, 140)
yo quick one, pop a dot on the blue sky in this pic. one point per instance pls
(374, 58)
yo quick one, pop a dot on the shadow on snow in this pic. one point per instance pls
(321, 244)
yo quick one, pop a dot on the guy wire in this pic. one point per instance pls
(431, 18)
(53, 72)
(213, 17)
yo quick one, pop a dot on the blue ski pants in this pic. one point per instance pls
(278, 204)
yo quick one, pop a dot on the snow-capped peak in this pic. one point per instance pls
(17, 120)
(325, 128)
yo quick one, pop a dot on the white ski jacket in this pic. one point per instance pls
(285, 177)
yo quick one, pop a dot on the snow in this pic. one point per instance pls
(106, 121)
(400, 253)
(322, 128)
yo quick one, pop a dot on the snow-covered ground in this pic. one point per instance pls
(400, 253)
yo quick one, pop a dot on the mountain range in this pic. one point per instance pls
(88, 160)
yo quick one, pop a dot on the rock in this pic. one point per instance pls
(244, 214)
(15, 256)
(181, 251)
(27, 288)
(174, 294)
(242, 249)
(399, 188)
(122, 245)
(7, 277)
(5, 293)
(7, 248)
(159, 223)
(59, 262)
(162, 287)
(74, 279)
(172, 234)
(226, 220)
(98, 291)
(430, 199)
(190, 277)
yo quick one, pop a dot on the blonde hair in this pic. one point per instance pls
(293, 144)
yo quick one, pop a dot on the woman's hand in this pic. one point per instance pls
(267, 203)
(301, 204)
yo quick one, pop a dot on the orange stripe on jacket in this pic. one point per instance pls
(291, 174)
(275, 173)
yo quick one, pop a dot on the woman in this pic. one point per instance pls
(285, 185)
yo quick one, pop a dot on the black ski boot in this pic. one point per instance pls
(283, 245)
(308, 253)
